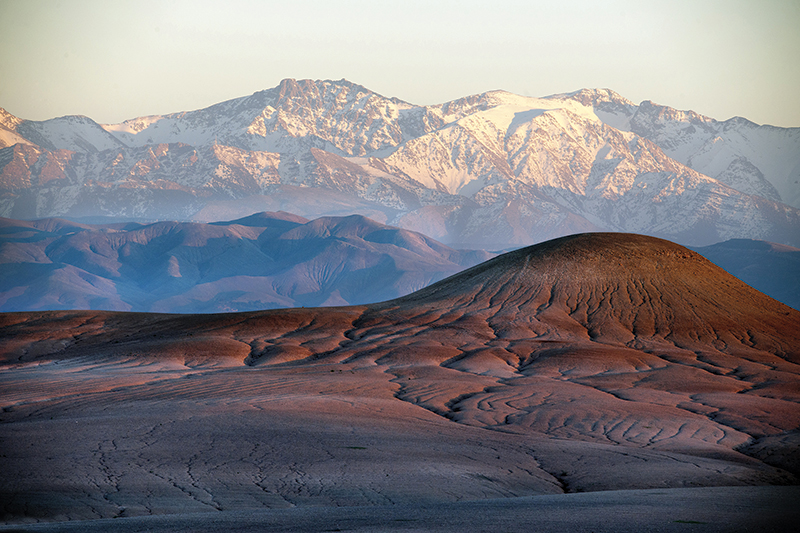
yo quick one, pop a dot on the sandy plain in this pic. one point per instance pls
(602, 382)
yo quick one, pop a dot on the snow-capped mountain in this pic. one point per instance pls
(492, 170)
(74, 133)
(760, 160)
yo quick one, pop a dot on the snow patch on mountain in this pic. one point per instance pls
(75, 133)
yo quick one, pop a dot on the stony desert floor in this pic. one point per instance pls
(601, 383)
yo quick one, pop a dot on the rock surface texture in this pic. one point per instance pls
(588, 363)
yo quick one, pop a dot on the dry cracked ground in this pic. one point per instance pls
(587, 365)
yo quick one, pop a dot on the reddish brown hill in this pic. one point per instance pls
(607, 360)
(561, 336)
(610, 288)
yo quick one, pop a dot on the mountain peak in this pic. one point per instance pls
(8, 121)
(266, 218)
(293, 88)
(662, 112)
(593, 97)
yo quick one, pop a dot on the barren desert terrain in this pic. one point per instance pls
(624, 367)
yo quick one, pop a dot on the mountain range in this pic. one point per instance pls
(490, 171)
(264, 261)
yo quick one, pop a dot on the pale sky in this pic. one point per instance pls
(114, 60)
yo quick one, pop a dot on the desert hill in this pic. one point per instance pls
(591, 362)
(588, 319)
(614, 289)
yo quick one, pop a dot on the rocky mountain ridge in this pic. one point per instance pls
(493, 170)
